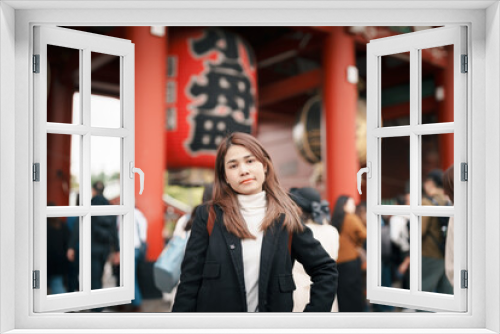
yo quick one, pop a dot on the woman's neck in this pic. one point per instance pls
(254, 201)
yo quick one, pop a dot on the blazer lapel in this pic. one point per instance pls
(269, 245)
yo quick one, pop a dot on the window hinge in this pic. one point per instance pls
(464, 279)
(464, 171)
(36, 63)
(36, 279)
(465, 64)
(36, 172)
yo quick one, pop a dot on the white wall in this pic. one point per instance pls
(7, 159)
(492, 153)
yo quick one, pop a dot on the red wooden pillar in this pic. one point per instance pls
(340, 107)
(150, 86)
(446, 110)
(59, 109)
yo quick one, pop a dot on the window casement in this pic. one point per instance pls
(84, 132)
(412, 45)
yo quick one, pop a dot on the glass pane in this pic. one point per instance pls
(105, 109)
(395, 92)
(105, 158)
(62, 255)
(105, 255)
(434, 232)
(437, 156)
(63, 169)
(395, 252)
(395, 169)
(437, 84)
(63, 80)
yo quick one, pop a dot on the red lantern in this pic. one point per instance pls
(211, 91)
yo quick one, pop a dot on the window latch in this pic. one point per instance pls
(133, 170)
(368, 171)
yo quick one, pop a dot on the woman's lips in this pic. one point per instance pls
(246, 181)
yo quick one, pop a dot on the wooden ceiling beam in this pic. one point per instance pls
(290, 87)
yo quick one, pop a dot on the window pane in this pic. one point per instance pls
(105, 80)
(395, 252)
(63, 169)
(63, 80)
(437, 156)
(62, 255)
(105, 246)
(105, 157)
(395, 169)
(395, 92)
(437, 84)
(434, 231)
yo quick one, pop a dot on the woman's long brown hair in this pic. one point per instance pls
(278, 201)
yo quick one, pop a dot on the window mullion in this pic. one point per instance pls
(415, 168)
(85, 237)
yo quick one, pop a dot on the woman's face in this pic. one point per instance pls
(244, 173)
(350, 206)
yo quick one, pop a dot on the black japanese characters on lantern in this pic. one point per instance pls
(223, 96)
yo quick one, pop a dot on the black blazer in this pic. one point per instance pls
(212, 270)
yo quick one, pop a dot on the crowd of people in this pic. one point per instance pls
(63, 249)
(253, 246)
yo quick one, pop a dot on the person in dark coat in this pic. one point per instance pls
(244, 262)
(104, 239)
(57, 264)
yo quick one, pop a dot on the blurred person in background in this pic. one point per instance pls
(104, 239)
(433, 275)
(57, 246)
(315, 214)
(140, 248)
(361, 213)
(351, 297)
(400, 237)
(449, 190)
(73, 223)
(183, 230)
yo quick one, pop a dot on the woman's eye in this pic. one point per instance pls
(232, 166)
(250, 161)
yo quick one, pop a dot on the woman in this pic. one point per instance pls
(316, 215)
(244, 263)
(351, 296)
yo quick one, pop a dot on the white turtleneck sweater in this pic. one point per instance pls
(253, 210)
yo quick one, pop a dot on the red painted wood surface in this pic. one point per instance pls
(150, 86)
(340, 107)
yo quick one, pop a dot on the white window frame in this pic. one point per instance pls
(376, 133)
(483, 211)
(85, 43)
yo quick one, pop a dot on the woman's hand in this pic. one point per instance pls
(70, 254)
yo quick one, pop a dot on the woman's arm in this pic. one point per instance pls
(358, 228)
(192, 265)
(320, 267)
